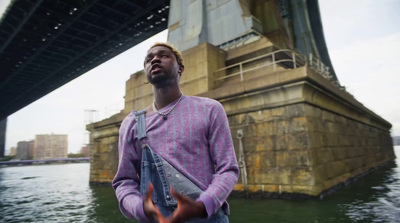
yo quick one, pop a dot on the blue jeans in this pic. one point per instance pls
(162, 175)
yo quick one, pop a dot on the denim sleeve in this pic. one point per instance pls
(126, 181)
(223, 156)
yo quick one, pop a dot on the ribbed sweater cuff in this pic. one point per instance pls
(140, 213)
(209, 203)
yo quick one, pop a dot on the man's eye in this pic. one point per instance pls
(164, 56)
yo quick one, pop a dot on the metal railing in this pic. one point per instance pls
(285, 58)
(290, 57)
(319, 67)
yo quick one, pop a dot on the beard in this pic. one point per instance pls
(161, 80)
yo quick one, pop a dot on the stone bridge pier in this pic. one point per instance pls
(297, 131)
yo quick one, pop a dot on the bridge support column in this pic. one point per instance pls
(104, 149)
(3, 129)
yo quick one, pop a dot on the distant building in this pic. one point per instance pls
(396, 140)
(50, 146)
(13, 151)
(31, 148)
(85, 150)
(22, 150)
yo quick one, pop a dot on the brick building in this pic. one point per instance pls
(85, 150)
(50, 146)
(13, 151)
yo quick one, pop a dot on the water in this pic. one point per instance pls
(61, 193)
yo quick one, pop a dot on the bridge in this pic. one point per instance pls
(44, 43)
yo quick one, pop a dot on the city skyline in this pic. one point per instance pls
(44, 146)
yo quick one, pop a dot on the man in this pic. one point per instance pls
(180, 144)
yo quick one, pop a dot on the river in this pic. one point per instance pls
(61, 193)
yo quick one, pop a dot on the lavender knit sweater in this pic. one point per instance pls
(195, 139)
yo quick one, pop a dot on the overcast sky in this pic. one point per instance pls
(363, 38)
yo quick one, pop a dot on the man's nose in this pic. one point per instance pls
(156, 59)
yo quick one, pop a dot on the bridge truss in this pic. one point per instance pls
(47, 43)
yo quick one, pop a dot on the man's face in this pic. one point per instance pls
(160, 66)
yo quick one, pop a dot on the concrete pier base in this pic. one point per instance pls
(104, 149)
(302, 135)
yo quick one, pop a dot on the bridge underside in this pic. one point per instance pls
(46, 43)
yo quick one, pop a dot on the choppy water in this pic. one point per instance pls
(61, 193)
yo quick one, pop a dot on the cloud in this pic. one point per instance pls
(363, 39)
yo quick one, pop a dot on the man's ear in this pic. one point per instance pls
(181, 69)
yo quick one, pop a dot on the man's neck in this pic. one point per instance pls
(165, 96)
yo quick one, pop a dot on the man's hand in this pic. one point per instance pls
(150, 210)
(187, 209)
